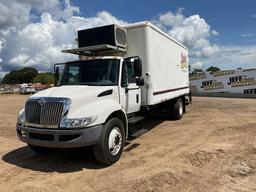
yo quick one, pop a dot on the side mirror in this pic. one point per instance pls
(139, 81)
(137, 67)
(124, 84)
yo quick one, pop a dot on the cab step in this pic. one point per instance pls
(134, 120)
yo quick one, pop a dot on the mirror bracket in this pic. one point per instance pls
(56, 73)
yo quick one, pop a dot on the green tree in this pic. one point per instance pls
(213, 69)
(10, 78)
(44, 78)
(24, 75)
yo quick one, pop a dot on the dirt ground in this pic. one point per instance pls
(213, 148)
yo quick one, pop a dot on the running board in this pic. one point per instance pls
(134, 120)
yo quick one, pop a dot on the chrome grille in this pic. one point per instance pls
(46, 114)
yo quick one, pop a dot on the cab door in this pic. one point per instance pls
(130, 93)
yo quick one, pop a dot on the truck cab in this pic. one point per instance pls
(89, 94)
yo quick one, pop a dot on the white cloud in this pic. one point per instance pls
(39, 43)
(55, 8)
(205, 51)
(197, 64)
(170, 19)
(193, 31)
(232, 57)
(1, 44)
(22, 58)
(214, 32)
(13, 13)
(102, 18)
(248, 35)
(2, 41)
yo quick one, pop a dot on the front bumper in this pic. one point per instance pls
(59, 138)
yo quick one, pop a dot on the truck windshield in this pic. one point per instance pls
(102, 72)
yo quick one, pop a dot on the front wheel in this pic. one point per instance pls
(110, 146)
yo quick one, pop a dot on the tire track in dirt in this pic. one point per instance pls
(163, 181)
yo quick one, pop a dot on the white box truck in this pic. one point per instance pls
(122, 74)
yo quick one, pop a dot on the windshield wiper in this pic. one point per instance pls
(93, 84)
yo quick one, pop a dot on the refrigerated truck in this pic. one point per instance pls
(122, 74)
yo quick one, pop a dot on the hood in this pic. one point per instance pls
(79, 94)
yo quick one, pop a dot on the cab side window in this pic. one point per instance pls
(128, 73)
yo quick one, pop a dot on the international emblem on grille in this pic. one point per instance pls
(42, 101)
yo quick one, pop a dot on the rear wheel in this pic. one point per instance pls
(38, 149)
(177, 109)
(110, 146)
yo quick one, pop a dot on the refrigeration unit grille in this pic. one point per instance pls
(105, 39)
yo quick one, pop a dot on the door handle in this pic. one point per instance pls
(137, 98)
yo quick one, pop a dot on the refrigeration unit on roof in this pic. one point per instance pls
(110, 38)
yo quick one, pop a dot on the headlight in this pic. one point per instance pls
(77, 123)
(21, 117)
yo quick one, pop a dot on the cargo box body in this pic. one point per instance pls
(164, 61)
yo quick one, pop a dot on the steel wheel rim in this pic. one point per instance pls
(115, 141)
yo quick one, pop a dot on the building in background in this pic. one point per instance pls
(9, 89)
(239, 82)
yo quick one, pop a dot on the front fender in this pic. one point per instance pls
(101, 108)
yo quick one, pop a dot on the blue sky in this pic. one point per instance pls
(231, 18)
(218, 33)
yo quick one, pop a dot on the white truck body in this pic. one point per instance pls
(165, 62)
(100, 97)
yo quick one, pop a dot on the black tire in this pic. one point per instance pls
(101, 150)
(190, 98)
(38, 149)
(177, 109)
